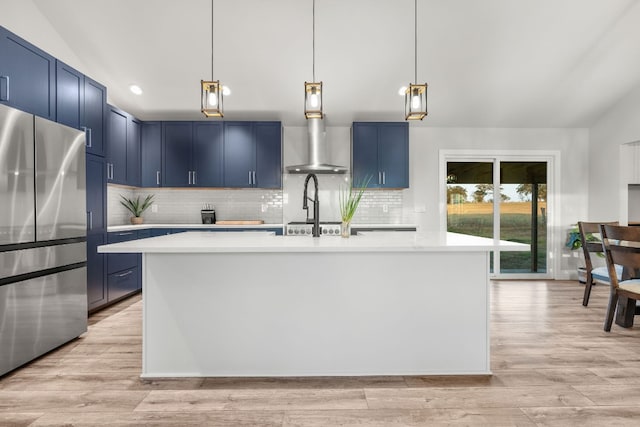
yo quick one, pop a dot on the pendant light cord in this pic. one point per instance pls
(212, 40)
(314, 41)
(415, 40)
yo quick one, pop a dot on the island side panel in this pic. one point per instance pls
(310, 314)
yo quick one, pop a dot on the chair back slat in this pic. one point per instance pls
(589, 246)
(622, 247)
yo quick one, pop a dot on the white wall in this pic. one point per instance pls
(619, 126)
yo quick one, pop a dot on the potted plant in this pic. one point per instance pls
(349, 201)
(136, 207)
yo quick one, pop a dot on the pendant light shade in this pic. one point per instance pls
(415, 97)
(415, 102)
(211, 102)
(212, 98)
(313, 90)
(313, 100)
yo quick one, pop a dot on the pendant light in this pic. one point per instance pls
(211, 90)
(415, 97)
(313, 90)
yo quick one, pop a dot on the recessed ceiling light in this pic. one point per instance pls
(226, 91)
(402, 90)
(135, 89)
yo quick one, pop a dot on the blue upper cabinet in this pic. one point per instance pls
(268, 137)
(380, 151)
(253, 154)
(69, 96)
(95, 108)
(239, 154)
(27, 76)
(207, 154)
(176, 154)
(81, 103)
(134, 134)
(123, 147)
(151, 154)
(116, 146)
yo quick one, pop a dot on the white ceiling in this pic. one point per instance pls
(488, 63)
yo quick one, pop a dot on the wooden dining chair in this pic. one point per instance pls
(592, 244)
(621, 247)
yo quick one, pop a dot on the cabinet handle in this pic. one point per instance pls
(90, 220)
(7, 98)
(108, 171)
(254, 177)
(189, 177)
(125, 273)
(194, 178)
(249, 177)
(379, 177)
(384, 178)
(125, 234)
(112, 167)
(157, 177)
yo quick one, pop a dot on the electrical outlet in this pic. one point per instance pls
(154, 208)
(385, 208)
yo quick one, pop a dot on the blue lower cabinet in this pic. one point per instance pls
(143, 234)
(123, 270)
(122, 283)
(96, 289)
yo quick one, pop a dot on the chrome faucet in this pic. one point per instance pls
(316, 204)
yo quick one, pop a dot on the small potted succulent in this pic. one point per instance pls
(136, 207)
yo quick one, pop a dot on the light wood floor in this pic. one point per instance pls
(552, 364)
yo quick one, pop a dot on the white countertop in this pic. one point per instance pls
(129, 227)
(230, 242)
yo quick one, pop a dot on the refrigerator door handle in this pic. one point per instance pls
(8, 84)
(88, 132)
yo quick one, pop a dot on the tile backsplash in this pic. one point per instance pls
(175, 206)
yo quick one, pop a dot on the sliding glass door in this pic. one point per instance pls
(505, 200)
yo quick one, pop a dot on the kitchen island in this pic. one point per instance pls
(255, 304)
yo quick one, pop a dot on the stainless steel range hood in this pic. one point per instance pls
(317, 152)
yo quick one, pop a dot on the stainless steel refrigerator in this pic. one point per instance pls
(43, 273)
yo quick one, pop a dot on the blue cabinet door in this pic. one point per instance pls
(96, 273)
(151, 154)
(239, 154)
(96, 194)
(393, 154)
(133, 152)
(95, 106)
(122, 283)
(176, 154)
(268, 140)
(208, 154)
(119, 262)
(364, 155)
(380, 152)
(117, 146)
(69, 96)
(27, 76)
